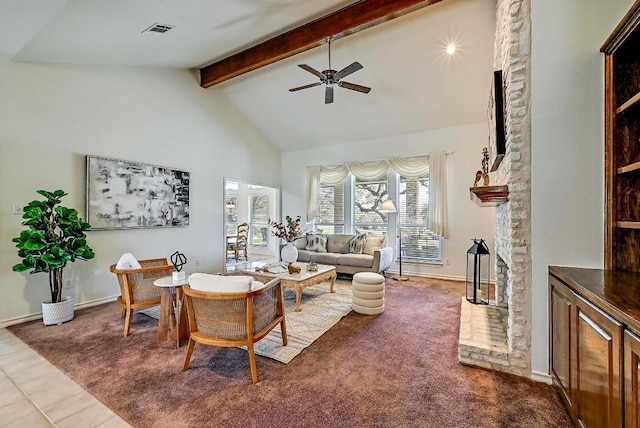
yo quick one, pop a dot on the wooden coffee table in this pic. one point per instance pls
(298, 281)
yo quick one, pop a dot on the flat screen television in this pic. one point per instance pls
(495, 112)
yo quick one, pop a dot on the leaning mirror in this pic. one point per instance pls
(247, 210)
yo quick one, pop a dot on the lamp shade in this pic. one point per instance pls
(387, 207)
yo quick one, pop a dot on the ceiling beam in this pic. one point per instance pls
(348, 20)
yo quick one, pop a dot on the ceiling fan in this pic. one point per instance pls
(331, 77)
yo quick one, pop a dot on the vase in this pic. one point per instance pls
(289, 253)
(58, 313)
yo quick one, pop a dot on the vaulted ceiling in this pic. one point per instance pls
(415, 85)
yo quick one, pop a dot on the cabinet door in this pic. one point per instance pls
(631, 379)
(560, 340)
(598, 344)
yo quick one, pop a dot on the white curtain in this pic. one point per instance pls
(438, 216)
(410, 167)
(333, 175)
(368, 170)
(434, 164)
(313, 192)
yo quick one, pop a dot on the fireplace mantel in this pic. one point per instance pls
(489, 196)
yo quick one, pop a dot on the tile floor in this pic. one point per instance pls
(27, 398)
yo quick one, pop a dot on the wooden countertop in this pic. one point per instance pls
(615, 292)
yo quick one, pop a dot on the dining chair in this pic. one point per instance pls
(137, 289)
(233, 318)
(238, 243)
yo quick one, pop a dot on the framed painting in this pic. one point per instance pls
(497, 143)
(126, 195)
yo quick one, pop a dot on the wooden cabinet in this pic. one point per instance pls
(586, 358)
(622, 144)
(631, 379)
(561, 304)
(598, 368)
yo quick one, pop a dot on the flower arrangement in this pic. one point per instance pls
(289, 230)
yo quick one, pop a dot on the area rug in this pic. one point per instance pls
(321, 310)
(396, 369)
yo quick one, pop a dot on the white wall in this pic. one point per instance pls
(52, 116)
(466, 219)
(567, 183)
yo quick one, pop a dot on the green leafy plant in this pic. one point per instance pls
(55, 237)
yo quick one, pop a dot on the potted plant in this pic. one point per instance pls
(289, 231)
(54, 237)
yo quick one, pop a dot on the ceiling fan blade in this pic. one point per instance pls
(354, 87)
(348, 70)
(328, 95)
(311, 85)
(311, 70)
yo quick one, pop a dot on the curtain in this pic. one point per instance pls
(368, 170)
(313, 192)
(434, 164)
(410, 167)
(438, 217)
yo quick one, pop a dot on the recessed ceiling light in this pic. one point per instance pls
(451, 48)
(157, 29)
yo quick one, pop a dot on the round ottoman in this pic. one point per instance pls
(368, 293)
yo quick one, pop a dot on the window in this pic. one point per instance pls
(368, 196)
(354, 207)
(331, 218)
(231, 214)
(418, 242)
(259, 220)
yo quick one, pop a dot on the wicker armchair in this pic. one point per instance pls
(136, 287)
(234, 319)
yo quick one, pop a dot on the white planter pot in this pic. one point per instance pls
(289, 253)
(57, 313)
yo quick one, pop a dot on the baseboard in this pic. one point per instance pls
(541, 377)
(38, 315)
(425, 275)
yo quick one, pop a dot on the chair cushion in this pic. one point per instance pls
(324, 258)
(127, 261)
(358, 260)
(220, 283)
(338, 243)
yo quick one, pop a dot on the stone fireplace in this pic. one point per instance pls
(498, 336)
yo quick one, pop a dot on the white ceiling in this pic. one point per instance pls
(415, 85)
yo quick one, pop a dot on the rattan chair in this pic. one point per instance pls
(238, 243)
(136, 287)
(234, 319)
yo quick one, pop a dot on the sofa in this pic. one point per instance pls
(348, 253)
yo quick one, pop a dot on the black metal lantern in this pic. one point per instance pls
(478, 273)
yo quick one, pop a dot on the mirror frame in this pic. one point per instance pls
(225, 180)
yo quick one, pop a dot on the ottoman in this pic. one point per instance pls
(368, 293)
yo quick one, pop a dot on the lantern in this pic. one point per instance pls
(478, 273)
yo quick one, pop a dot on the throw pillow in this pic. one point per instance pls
(317, 243)
(220, 283)
(357, 243)
(374, 243)
(128, 261)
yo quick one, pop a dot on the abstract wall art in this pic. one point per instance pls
(127, 195)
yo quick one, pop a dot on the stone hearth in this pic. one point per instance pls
(483, 336)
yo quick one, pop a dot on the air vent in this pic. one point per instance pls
(158, 29)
